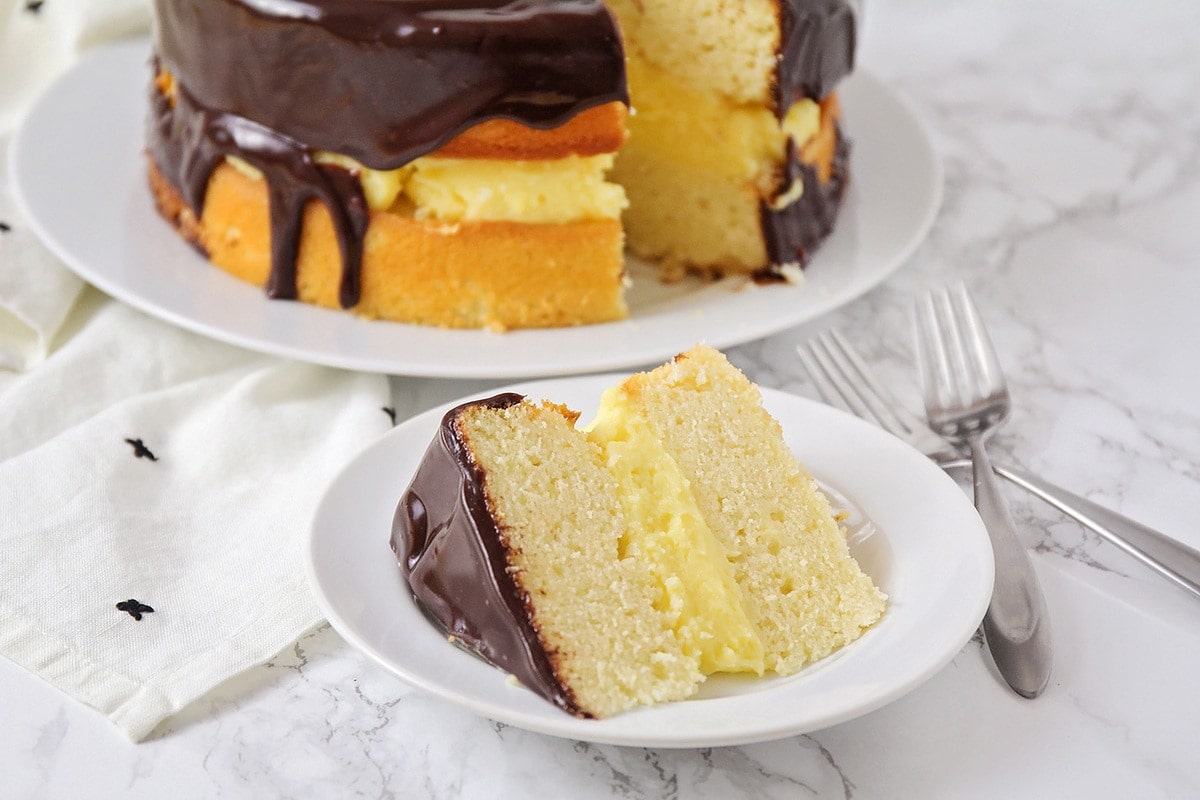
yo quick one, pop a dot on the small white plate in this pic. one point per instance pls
(920, 540)
(79, 175)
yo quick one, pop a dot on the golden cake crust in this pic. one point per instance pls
(600, 129)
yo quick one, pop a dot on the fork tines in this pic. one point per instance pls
(844, 380)
(959, 367)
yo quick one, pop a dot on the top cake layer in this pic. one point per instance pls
(753, 52)
(386, 81)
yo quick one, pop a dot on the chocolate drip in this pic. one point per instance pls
(290, 190)
(818, 49)
(456, 559)
(793, 232)
(187, 141)
(381, 81)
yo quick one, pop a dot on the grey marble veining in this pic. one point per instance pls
(1070, 134)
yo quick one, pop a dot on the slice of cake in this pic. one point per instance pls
(440, 163)
(735, 161)
(619, 564)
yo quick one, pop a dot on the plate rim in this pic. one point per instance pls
(975, 549)
(626, 344)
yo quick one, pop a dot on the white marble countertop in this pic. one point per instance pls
(1070, 133)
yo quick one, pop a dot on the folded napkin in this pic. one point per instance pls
(156, 487)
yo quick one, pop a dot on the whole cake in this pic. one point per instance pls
(445, 162)
(617, 565)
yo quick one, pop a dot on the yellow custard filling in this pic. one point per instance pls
(562, 190)
(665, 529)
(468, 190)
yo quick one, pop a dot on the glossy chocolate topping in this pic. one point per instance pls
(818, 39)
(381, 81)
(187, 141)
(793, 232)
(455, 560)
(386, 81)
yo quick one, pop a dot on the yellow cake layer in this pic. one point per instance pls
(717, 46)
(595, 609)
(696, 168)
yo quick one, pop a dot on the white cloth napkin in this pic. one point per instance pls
(141, 462)
(38, 40)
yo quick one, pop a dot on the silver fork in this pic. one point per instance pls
(966, 399)
(844, 380)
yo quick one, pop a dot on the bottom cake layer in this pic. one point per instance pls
(496, 275)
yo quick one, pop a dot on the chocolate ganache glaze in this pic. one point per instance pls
(819, 38)
(381, 81)
(455, 560)
(793, 232)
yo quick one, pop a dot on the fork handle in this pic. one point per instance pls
(1015, 626)
(1173, 560)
